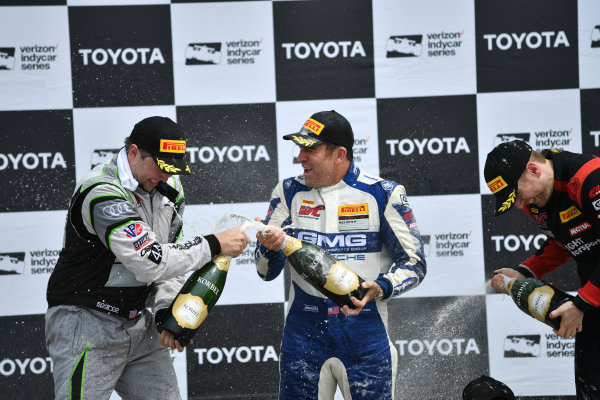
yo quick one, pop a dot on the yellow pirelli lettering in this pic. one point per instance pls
(314, 126)
(497, 184)
(569, 214)
(352, 209)
(172, 146)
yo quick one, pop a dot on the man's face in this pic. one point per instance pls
(532, 190)
(145, 171)
(319, 166)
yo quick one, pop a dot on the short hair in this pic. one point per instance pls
(143, 153)
(349, 153)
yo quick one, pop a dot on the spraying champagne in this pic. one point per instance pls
(319, 268)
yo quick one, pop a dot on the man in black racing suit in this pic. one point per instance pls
(560, 191)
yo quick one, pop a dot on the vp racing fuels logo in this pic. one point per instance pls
(133, 230)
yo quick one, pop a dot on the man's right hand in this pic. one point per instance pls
(497, 281)
(233, 241)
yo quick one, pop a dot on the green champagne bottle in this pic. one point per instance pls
(194, 301)
(323, 271)
(536, 298)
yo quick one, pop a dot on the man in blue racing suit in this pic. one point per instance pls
(366, 223)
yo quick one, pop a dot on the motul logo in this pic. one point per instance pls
(579, 228)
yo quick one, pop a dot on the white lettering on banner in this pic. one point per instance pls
(304, 50)
(230, 153)
(243, 354)
(513, 242)
(37, 365)
(128, 56)
(533, 40)
(444, 347)
(435, 145)
(596, 136)
(32, 160)
(353, 240)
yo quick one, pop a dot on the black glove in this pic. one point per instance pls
(159, 318)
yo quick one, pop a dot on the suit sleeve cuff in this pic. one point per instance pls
(386, 286)
(214, 244)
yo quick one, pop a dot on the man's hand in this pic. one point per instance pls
(168, 340)
(497, 280)
(372, 292)
(272, 239)
(233, 241)
(571, 319)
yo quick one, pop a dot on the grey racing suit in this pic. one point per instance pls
(119, 258)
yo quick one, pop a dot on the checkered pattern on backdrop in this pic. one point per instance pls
(429, 88)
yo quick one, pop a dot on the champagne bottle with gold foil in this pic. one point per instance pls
(536, 298)
(194, 301)
(323, 271)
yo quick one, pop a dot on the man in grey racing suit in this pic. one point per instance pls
(367, 223)
(119, 257)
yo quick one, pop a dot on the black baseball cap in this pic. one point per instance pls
(487, 388)
(503, 168)
(165, 141)
(324, 127)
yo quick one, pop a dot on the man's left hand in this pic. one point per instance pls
(570, 320)
(372, 292)
(168, 340)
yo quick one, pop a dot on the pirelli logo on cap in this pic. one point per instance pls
(569, 214)
(497, 184)
(353, 209)
(172, 146)
(314, 126)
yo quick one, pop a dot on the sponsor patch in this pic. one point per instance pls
(133, 230)
(497, 184)
(308, 211)
(142, 242)
(579, 228)
(155, 253)
(310, 308)
(309, 202)
(595, 191)
(172, 146)
(569, 214)
(313, 126)
(596, 204)
(353, 217)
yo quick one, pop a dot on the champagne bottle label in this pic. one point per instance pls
(222, 263)
(539, 301)
(290, 245)
(340, 279)
(189, 310)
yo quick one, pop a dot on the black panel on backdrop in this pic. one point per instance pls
(232, 151)
(119, 58)
(37, 161)
(26, 366)
(512, 238)
(441, 343)
(528, 45)
(235, 353)
(324, 49)
(429, 144)
(590, 121)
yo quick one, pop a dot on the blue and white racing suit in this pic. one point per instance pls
(367, 223)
